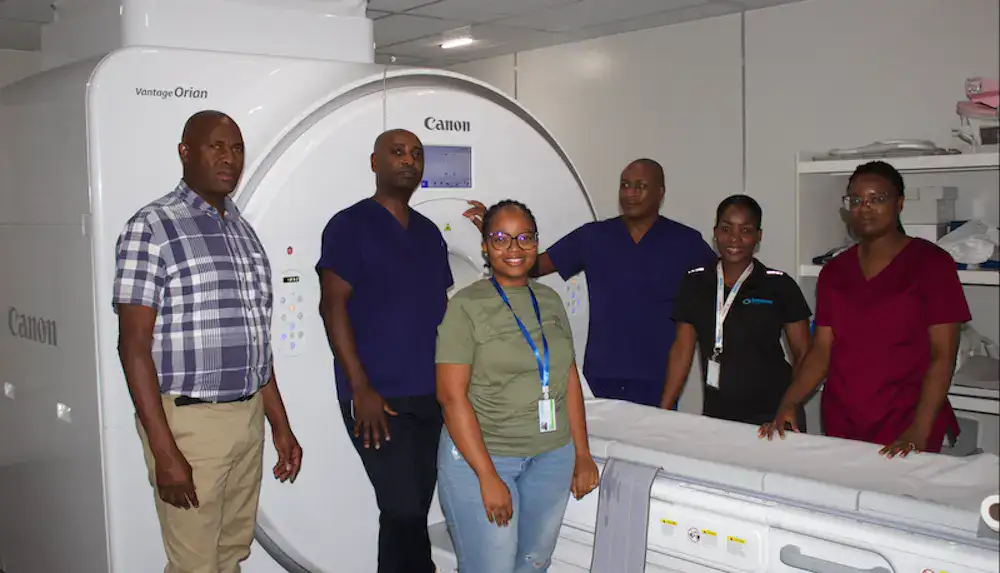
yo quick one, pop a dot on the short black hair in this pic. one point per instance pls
(652, 164)
(745, 201)
(883, 170)
(887, 172)
(496, 208)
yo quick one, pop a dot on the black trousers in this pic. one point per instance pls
(403, 472)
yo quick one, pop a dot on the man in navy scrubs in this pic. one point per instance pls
(384, 278)
(634, 264)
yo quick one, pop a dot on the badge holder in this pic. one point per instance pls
(546, 414)
(714, 370)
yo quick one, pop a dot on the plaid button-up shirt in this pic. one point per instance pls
(209, 280)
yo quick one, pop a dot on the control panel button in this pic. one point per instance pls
(694, 535)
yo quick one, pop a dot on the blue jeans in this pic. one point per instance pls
(539, 487)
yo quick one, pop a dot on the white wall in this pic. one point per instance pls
(498, 72)
(843, 73)
(820, 74)
(17, 64)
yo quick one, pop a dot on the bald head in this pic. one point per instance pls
(388, 137)
(398, 162)
(211, 151)
(201, 122)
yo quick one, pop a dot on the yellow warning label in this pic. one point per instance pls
(447, 226)
(707, 532)
(736, 540)
(668, 522)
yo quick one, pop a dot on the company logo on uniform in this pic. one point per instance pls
(756, 301)
(179, 92)
(33, 328)
(435, 124)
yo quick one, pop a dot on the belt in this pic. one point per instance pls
(189, 401)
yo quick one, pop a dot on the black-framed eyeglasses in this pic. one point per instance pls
(500, 240)
(855, 202)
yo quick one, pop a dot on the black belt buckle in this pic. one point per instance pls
(189, 401)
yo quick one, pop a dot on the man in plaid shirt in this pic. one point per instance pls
(193, 296)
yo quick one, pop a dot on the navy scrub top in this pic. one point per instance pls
(400, 279)
(632, 290)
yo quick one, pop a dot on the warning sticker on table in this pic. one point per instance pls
(736, 546)
(710, 537)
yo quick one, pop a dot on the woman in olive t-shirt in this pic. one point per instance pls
(515, 437)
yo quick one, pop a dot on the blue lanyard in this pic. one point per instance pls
(543, 368)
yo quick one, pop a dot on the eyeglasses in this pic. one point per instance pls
(500, 240)
(855, 202)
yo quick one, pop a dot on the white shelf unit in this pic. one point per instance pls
(821, 225)
(965, 162)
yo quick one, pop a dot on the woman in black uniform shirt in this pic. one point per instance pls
(744, 370)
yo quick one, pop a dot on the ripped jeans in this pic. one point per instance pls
(539, 487)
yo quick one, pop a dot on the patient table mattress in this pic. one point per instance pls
(929, 491)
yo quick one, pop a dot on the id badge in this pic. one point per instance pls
(546, 416)
(712, 378)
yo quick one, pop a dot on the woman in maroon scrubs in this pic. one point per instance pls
(888, 312)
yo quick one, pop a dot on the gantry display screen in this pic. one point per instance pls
(447, 167)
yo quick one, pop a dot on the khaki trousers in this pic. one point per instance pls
(223, 443)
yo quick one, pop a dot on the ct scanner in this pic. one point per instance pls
(84, 145)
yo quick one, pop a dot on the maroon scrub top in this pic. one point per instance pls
(881, 347)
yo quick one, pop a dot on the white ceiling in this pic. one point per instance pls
(412, 30)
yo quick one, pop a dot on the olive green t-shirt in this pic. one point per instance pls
(505, 387)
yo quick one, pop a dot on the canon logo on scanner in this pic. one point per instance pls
(435, 124)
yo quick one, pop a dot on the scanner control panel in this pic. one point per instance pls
(575, 295)
(289, 318)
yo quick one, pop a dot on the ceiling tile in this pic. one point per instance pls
(656, 20)
(754, 4)
(488, 37)
(39, 11)
(397, 5)
(587, 13)
(16, 35)
(403, 27)
(492, 52)
(426, 48)
(375, 14)
(480, 11)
